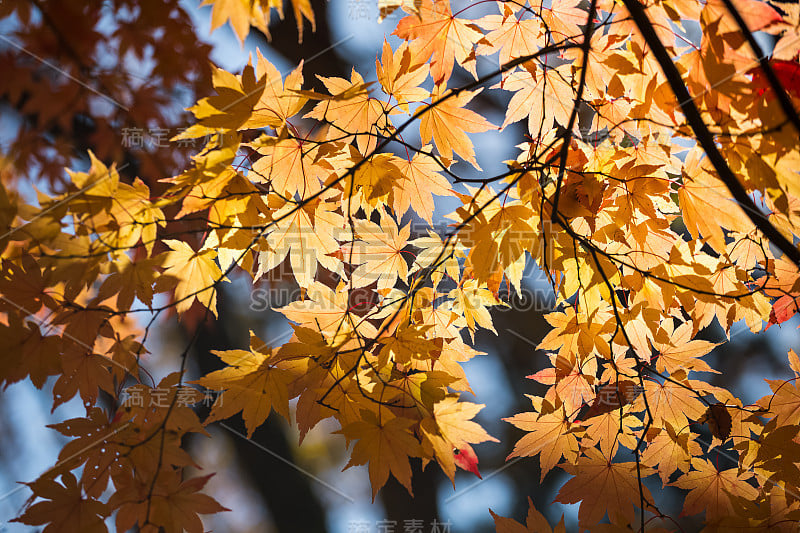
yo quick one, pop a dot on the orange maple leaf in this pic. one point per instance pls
(434, 31)
(448, 123)
(710, 490)
(602, 486)
(550, 435)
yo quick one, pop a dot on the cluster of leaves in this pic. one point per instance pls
(93, 91)
(611, 196)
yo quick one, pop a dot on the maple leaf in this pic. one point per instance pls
(757, 15)
(24, 284)
(453, 419)
(550, 435)
(244, 13)
(466, 458)
(407, 344)
(447, 123)
(672, 401)
(231, 107)
(64, 508)
(612, 429)
(783, 309)
(777, 451)
(131, 280)
(401, 74)
(718, 419)
(570, 385)
(602, 486)
(386, 445)
(610, 397)
(711, 490)
(29, 353)
(193, 275)
(681, 353)
(279, 100)
(787, 72)
(289, 166)
(306, 236)
(164, 406)
(434, 255)
(497, 237)
(208, 184)
(378, 253)
(83, 373)
(470, 301)
(671, 451)
(794, 362)
(302, 10)
(250, 384)
(422, 180)
(511, 34)
(326, 311)
(376, 177)
(770, 512)
(534, 523)
(151, 448)
(99, 447)
(700, 193)
(240, 13)
(562, 17)
(451, 431)
(537, 95)
(174, 505)
(352, 110)
(784, 403)
(434, 31)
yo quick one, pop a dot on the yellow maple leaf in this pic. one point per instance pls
(701, 194)
(386, 445)
(353, 111)
(378, 253)
(327, 311)
(401, 74)
(423, 180)
(251, 383)
(193, 275)
(306, 235)
(230, 108)
(244, 13)
(289, 166)
(470, 300)
(279, 101)
(454, 419)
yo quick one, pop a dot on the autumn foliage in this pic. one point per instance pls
(614, 195)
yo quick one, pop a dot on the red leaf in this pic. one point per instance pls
(782, 310)
(788, 72)
(465, 458)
